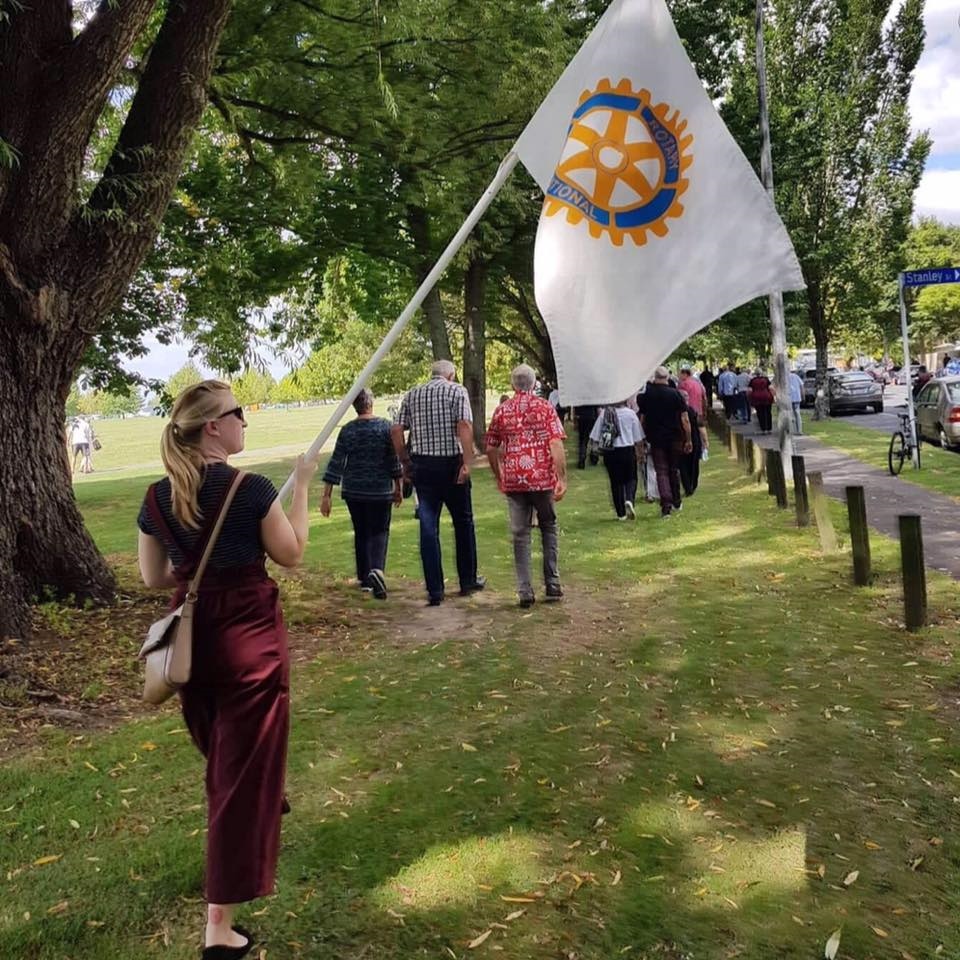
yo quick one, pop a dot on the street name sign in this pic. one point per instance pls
(926, 278)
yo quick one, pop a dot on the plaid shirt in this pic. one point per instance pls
(431, 413)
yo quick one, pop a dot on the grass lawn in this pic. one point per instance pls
(715, 747)
(940, 469)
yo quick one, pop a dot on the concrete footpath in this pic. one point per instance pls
(886, 497)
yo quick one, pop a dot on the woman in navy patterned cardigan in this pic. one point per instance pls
(368, 471)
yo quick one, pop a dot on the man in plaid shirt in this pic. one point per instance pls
(438, 416)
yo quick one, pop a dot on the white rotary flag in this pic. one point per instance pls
(654, 223)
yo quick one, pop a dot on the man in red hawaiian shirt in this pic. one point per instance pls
(525, 450)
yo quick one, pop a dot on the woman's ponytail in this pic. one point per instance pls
(180, 447)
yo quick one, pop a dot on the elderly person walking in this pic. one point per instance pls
(666, 424)
(368, 470)
(761, 398)
(236, 703)
(437, 414)
(525, 448)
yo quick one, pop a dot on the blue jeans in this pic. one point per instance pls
(436, 481)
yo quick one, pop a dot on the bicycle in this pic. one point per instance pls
(902, 445)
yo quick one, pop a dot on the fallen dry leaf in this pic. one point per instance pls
(851, 878)
(880, 932)
(473, 944)
(469, 747)
(833, 945)
(53, 858)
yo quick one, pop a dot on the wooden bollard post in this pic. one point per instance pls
(757, 467)
(732, 439)
(800, 491)
(821, 513)
(859, 535)
(768, 456)
(748, 455)
(776, 481)
(914, 571)
(738, 446)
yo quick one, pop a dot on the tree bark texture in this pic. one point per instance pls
(475, 344)
(419, 221)
(65, 263)
(821, 340)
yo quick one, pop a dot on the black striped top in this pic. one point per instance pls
(239, 542)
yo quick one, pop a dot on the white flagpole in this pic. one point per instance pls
(506, 168)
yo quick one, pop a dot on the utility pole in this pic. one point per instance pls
(778, 327)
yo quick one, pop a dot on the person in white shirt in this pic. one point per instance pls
(796, 398)
(81, 442)
(619, 437)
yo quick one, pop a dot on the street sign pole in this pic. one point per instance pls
(914, 452)
(918, 278)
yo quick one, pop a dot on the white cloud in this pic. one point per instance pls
(935, 96)
(162, 360)
(939, 195)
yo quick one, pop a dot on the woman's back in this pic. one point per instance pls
(364, 462)
(239, 543)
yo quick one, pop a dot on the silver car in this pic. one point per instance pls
(938, 412)
(853, 391)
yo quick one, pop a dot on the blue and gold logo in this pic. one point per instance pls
(623, 165)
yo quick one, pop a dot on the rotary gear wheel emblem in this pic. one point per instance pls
(623, 165)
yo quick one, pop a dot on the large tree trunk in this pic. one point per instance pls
(45, 550)
(475, 344)
(65, 262)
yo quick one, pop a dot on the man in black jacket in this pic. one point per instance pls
(666, 426)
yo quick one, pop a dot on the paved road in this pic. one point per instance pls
(886, 497)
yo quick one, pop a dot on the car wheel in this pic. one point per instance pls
(878, 408)
(944, 440)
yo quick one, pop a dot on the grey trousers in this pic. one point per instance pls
(522, 506)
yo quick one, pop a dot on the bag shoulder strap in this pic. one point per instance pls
(156, 514)
(214, 534)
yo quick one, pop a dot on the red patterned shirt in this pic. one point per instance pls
(523, 427)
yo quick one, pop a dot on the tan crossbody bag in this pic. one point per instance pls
(168, 650)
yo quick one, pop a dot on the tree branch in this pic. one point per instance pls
(119, 223)
(66, 104)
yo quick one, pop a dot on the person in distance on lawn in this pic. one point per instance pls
(236, 703)
(525, 450)
(438, 415)
(368, 470)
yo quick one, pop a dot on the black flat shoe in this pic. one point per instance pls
(284, 806)
(221, 952)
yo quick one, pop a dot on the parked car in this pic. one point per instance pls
(809, 378)
(854, 391)
(938, 412)
(900, 375)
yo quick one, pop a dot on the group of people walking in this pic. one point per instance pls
(236, 702)
(739, 391)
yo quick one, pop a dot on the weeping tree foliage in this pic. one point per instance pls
(845, 162)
